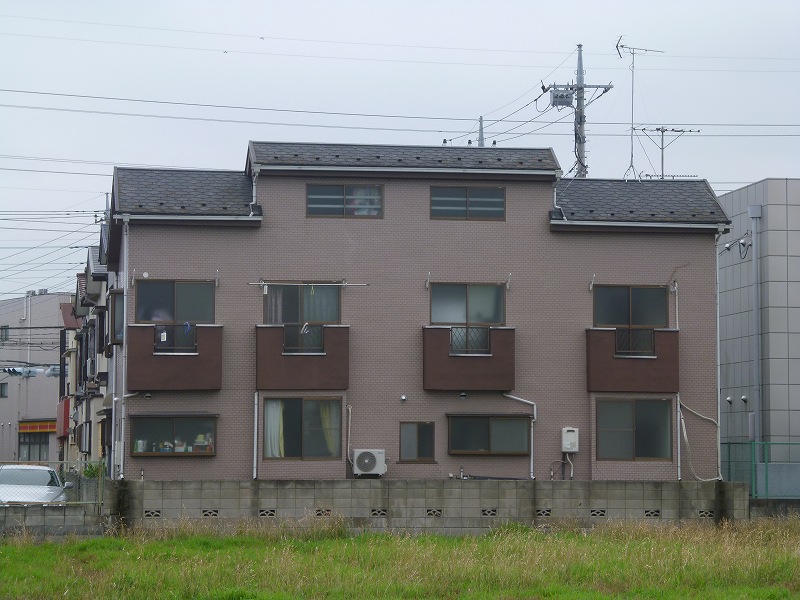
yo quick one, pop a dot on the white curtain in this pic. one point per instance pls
(330, 416)
(273, 429)
(274, 304)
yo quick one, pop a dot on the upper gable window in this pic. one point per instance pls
(352, 201)
(175, 307)
(634, 312)
(175, 301)
(468, 203)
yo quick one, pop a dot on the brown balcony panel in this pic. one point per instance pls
(445, 371)
(148, 371)
(608, 372)
(278, 370)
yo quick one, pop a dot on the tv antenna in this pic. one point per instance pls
(632, 51)
(561, 95)
(662, 130)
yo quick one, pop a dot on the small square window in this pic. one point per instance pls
(417, 442)
(4, 390)
(5, 330)
(634, 429)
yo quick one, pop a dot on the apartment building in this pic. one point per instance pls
(759, 278)
(30, 340)
(410, 312)
(84, 411)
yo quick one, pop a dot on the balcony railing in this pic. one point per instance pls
(175, 338)
(635, 342)
(303, 339)
(469, 340)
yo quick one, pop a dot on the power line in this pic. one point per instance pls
(278, 54)
(357, 43)
(54, 172)
(347, 114)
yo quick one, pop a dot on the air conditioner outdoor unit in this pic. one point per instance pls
(369, 462)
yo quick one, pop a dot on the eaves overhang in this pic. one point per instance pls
(629, 226)
(171, 219)
(404, 171)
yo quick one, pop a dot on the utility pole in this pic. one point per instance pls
(562, 95)
(662, 130)
(480, 133)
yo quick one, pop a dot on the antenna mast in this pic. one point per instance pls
(632, 51)
(561, 95)
(663, 130)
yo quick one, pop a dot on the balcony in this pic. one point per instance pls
(172, 358)
(302, 357)
(622, 360)
(456, 360)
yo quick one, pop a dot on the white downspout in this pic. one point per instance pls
(678, 429)
(754, 212)
(719, 368)
(119, 445)
(255, 435)
(533, 420)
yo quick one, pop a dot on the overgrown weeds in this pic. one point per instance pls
(316, 557)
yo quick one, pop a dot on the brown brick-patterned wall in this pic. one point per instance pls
(549, 304)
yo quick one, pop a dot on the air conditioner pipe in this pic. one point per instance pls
(255, 435)
(533, 420)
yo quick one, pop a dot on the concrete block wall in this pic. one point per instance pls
(451, 506)
(52, 520)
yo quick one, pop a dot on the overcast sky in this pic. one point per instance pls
(88, 85)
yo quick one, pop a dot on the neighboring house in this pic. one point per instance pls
(84, 412)
(760, 334)
(30, 334)
(442, 311)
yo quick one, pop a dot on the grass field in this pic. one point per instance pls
(759, 559)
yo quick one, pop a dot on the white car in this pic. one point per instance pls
(31, 484)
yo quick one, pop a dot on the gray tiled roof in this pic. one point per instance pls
(280, 154)
(182, 192)
(682, 201)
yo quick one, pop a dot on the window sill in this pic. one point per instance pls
(483, 354)
(168, 454)
(176, 354)
(637, 356)
(304, 353)
(417, 462)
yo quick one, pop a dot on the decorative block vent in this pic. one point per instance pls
(267, 512)
(653, 513)
(705, 514)
(488, 512)
(544, 512)
(433, 512)
(597, 513)
(322, 512)
(152, 514)
(210, 513)
(378, 512)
